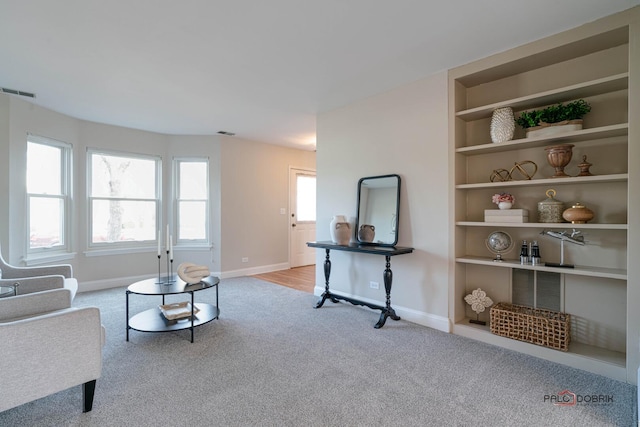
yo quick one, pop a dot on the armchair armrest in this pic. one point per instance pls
(11, 272)
(49, 353)
(27, 285)
(33, 304)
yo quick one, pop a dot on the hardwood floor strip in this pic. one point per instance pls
(300, 278)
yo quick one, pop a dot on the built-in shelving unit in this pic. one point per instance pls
(598, 62)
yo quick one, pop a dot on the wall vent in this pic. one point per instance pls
(18, 92)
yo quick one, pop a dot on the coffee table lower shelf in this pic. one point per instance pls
(153, 320)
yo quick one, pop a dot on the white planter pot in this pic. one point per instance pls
(554, 129)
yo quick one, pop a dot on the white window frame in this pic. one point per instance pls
(105, 248)
(66, 195)
(177, 162)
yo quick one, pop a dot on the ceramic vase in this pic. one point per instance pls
(333, 229)
(342, 233)
(505, 205)
(550, 209)
(559, 156)
(578, 214)
(366, 233)
(503, 125)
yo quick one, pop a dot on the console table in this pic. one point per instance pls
(386, 251)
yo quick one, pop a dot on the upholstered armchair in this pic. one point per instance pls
(47, 346)
(27, 280)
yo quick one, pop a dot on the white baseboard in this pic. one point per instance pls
(414, 316)
(253, 270)
(96, 285)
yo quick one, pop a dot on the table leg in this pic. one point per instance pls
(128, 315)
(388, 311)
(327, 272)
(192, 315)
(218, 315)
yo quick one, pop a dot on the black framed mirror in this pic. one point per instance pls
(378, 210)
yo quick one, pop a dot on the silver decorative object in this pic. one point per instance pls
(503, 124)
(564, 236)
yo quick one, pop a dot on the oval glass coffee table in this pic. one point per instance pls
(153, 320)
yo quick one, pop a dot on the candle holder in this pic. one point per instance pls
(168, 279)
(159, 282)
(169, 269)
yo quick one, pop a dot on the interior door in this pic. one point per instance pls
(302, 216)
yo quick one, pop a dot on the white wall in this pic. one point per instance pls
(257, 187)
(4, 169)
(252, 177)
(402, 131)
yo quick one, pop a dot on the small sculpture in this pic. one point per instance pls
(191, 273)
(479, 301)
(502, 175)
(564, 237)
(584, 167)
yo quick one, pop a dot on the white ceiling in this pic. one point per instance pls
(262, 69)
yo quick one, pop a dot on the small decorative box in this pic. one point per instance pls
(506, 215)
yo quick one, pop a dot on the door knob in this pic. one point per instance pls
(293, 225)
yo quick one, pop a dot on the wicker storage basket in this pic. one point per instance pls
(537, 326)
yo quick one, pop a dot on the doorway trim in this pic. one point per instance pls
(293, 171)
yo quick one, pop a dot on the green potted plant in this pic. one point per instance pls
(554, 119)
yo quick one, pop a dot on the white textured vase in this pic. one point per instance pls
(505, 205)
(503, 124)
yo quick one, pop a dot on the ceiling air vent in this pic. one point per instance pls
(223, 132)
(18, 92)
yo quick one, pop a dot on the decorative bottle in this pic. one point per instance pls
(535, 254)
(524, 253)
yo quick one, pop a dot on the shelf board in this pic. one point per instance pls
(582, 356)
(563, 94)
(594, 226)
(610, 131)
(619, 177)
(579, 270)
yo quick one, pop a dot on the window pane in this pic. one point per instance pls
(192, 219)
(306, 198)
(123, 177)
(123, 220)
(45, 222)
(193, 180)
(44, 169)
